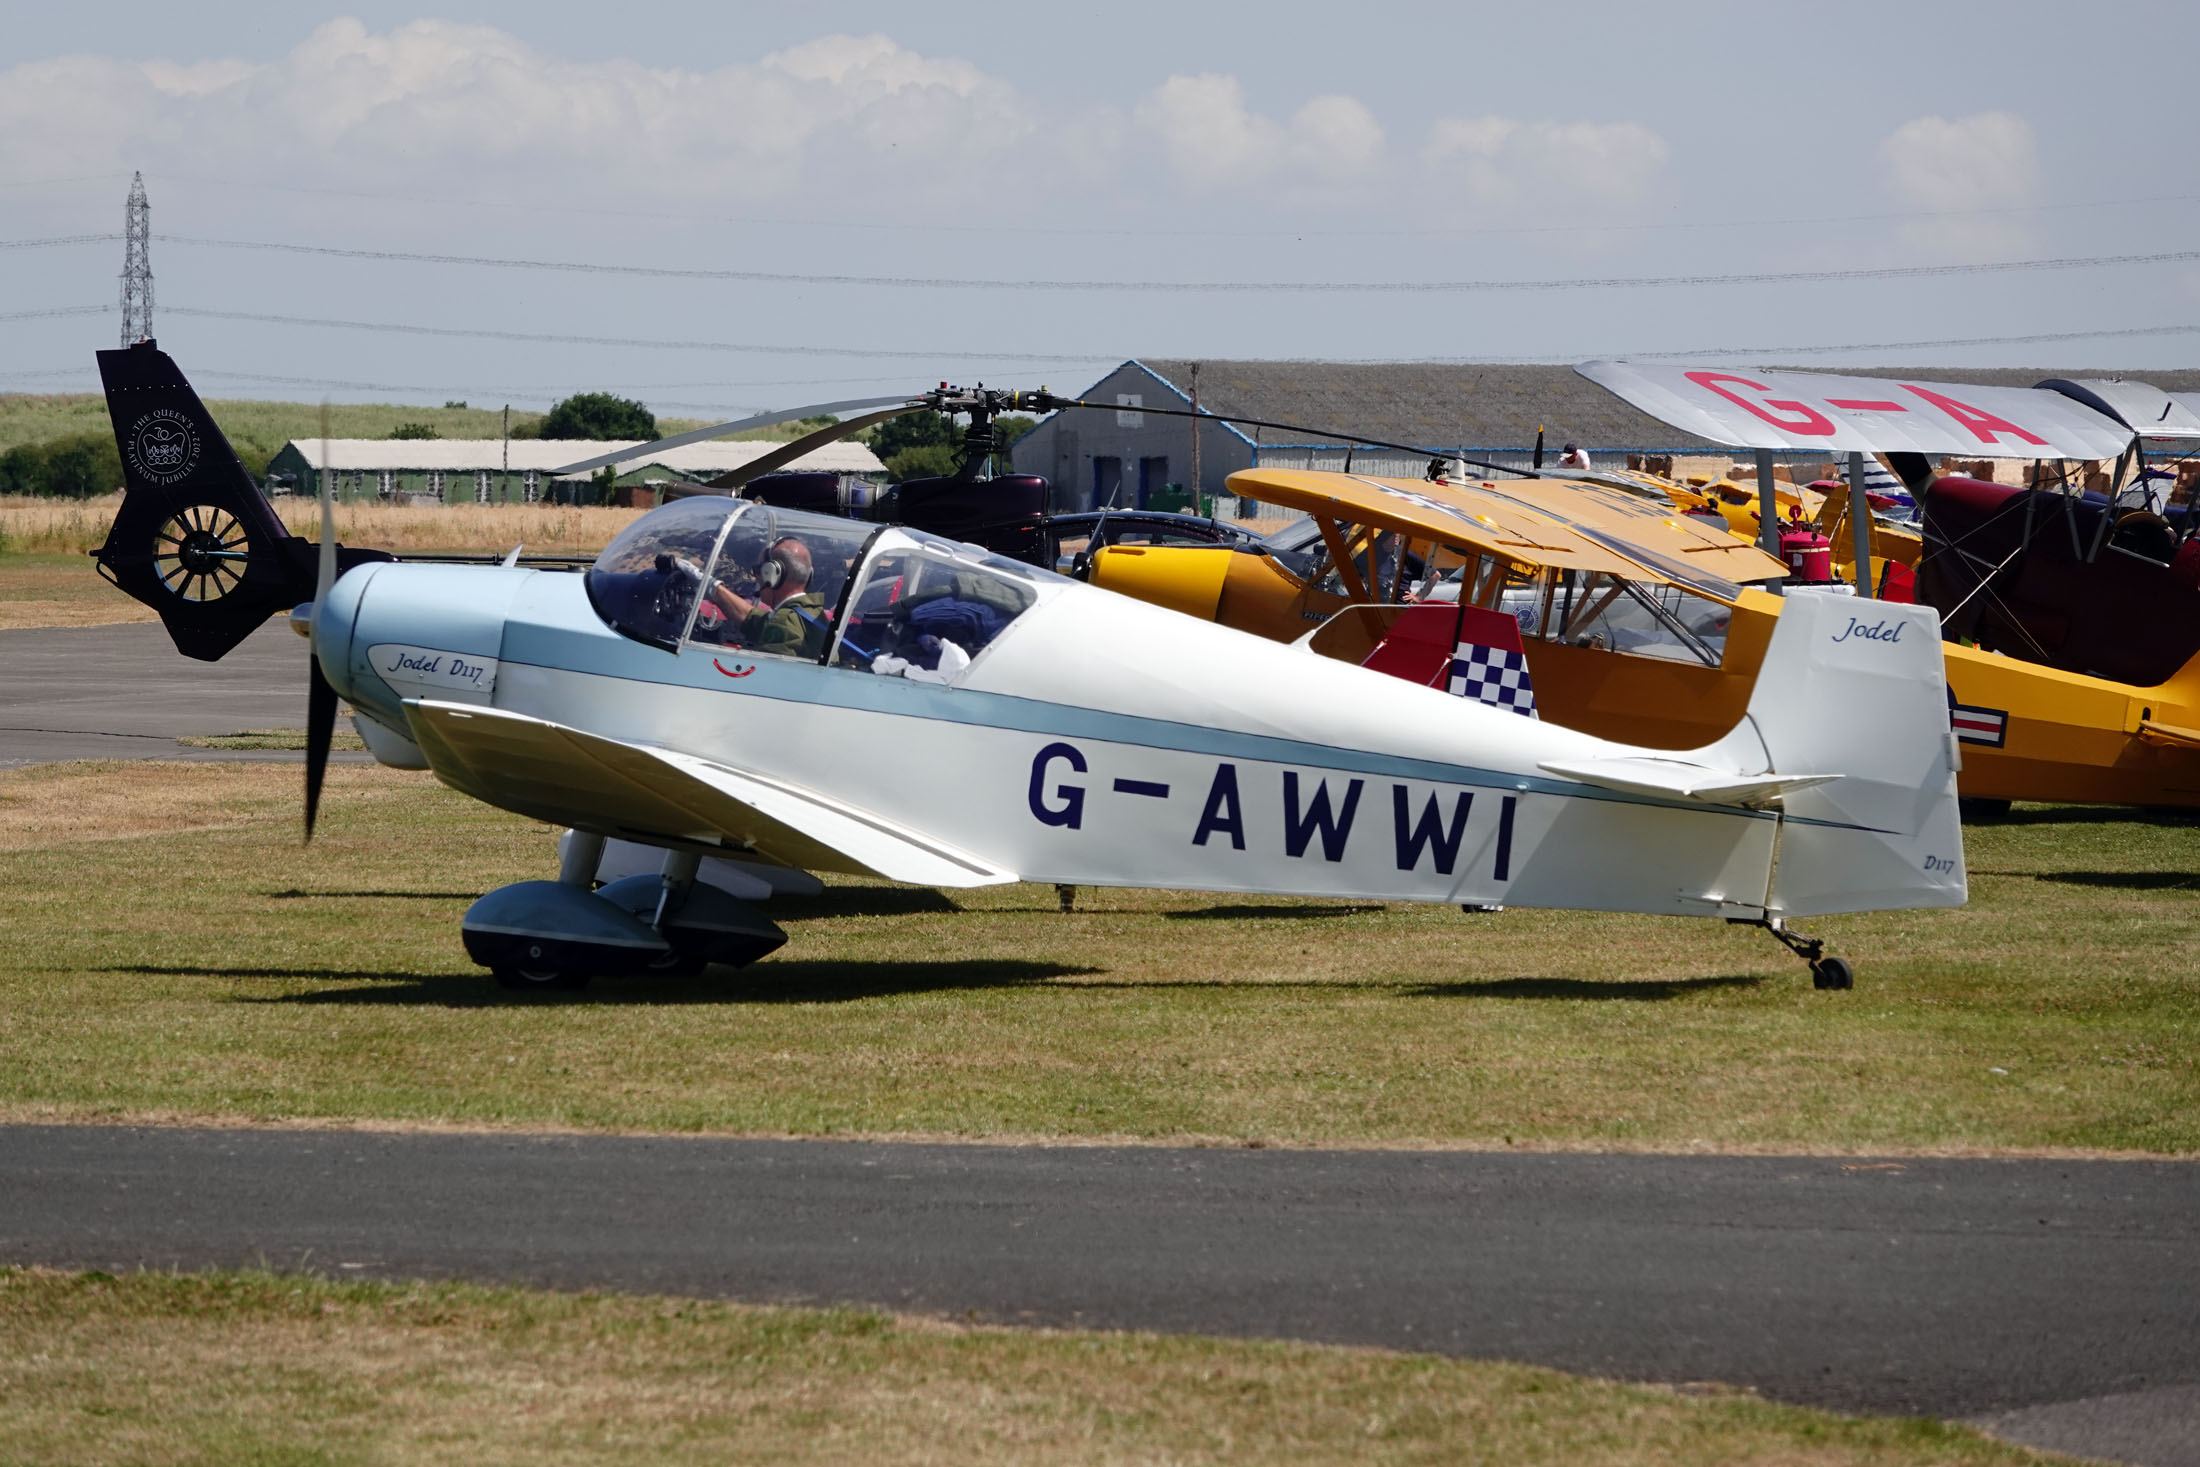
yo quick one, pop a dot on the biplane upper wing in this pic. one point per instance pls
(1535, 522)
(1654, 534)
(2147, 410)
(1464, 517)
(1812, 410)
(508, 759)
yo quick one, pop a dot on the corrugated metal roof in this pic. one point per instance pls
(540, 455)
(1497, 407)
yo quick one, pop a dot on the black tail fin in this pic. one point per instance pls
(194, 540)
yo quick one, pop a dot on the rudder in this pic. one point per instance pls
(1859, 688)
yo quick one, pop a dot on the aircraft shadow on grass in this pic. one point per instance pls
(294, 894)
(1625, 990)
(844, 901)
(775, 983)
(825, 981)
(1242, 911)
(862, 901)
(2125, 880)
(2087, 815)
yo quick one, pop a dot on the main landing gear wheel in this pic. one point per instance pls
(1832, 973)
(540, 980)
(677, 965)
(537, 976)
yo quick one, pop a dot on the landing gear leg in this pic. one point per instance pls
(577, 863)
(1825, 972)
(1068, 894)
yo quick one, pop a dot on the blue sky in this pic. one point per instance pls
(1141, 144)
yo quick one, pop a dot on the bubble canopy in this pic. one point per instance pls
(649, 580)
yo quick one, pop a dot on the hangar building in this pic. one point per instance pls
(1131, 457)
(478, 471)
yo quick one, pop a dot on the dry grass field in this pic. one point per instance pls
(47, 578)
(168, 950)
(76, 526)
(231, 1369)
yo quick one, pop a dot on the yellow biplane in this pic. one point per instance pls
(1644, 623)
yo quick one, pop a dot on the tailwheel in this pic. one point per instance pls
(1825, 972)
(1832, 973)
(199, 553)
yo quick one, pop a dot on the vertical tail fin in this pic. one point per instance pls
(194, 539)
(1858, 687)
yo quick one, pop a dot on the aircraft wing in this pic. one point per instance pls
(1813, 410)
(1679, 779)
(1559, 523)
(567, 777)
(2147, 410)
(1654, 534)
(1462, 516)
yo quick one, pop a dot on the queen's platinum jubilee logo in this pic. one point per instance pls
(162, 446)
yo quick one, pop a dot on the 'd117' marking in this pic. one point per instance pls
(1315, 819)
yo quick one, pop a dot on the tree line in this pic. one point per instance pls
(76, 467)
(86, 464)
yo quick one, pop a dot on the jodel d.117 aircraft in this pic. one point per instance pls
(771, 692)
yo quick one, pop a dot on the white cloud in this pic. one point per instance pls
(442, 102)
(1494, 161)
(842, 125)
(1334, 138)
(1985, 162)
(1206, 131)
(1211, 138)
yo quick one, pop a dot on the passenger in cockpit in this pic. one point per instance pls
(785, 616)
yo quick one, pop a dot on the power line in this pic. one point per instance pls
(1218, 287)
(56, 311)
(1033, 358)
(538, 389)
(2035, 339)
(57, 239)
(1412, 228)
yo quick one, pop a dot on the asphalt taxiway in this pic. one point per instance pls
(2057, 1300)
(124, 692)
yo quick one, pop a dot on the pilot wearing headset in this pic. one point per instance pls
(785, 617)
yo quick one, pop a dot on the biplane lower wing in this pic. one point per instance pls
(1680, 779)
(564, 776)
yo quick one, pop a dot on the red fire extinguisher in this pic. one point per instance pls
(1809, 555)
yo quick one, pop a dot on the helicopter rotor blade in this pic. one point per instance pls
(738, 425)
(788, 452)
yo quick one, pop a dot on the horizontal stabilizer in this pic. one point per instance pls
(569, 777)
(1679, 779)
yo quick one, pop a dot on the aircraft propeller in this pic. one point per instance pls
(320, 696)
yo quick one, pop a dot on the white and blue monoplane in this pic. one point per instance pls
(754, 694)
